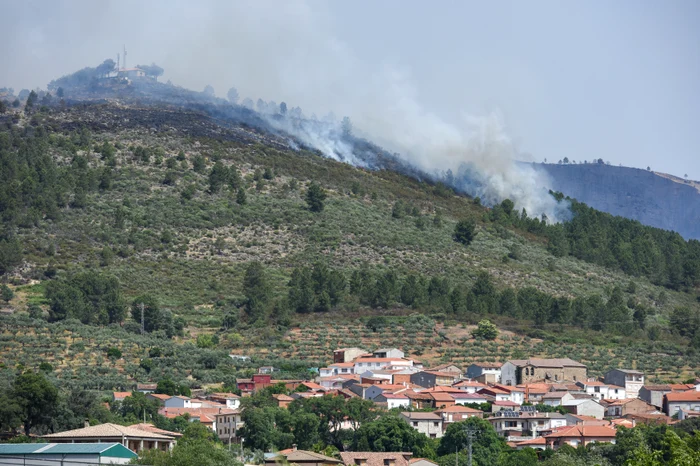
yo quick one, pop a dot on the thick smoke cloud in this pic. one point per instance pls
(287, 51)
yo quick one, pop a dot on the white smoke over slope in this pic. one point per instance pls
(289, 51)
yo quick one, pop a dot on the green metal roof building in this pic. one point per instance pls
(64, 454)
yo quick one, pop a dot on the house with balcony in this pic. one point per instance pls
(580, 435)
(631, 380)
(429, 424)
(485, 372)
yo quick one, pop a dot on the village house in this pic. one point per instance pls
(576, 420)
(392, 400)
(345, 355)
(580, 435)
(585, 407)
(300, 458)
(230, 400)
(365, 458)
(447, 368)
(429, 424)
(485, 372)
(519, 371)
(283, 400)
(178, 402)
(504, 405)
(120, 396)
(146, 388)
(469, 386)
(456, 413)
(631, 380)
(556, 398)
(686, 401)
(419, 400)
(228, 423)
(339, 368)
(514, 424)
(393, 353)
(469, 398)
(654, 394)
(132, 438)
(619, 408)
(158, 397)
(496, 394)
(429, 379)
(600, 390)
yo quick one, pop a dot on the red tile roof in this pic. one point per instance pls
(689, 396)
(584, 431)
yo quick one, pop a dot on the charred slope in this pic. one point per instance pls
(633, 193)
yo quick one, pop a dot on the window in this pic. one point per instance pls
(415, 424)
(436, 424)
(596, 389)
(389, 462)
(433, 435)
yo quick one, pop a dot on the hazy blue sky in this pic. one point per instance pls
(618, 80)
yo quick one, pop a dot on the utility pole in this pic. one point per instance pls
(471, 433)
(143, 325)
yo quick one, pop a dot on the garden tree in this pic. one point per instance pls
(257, 291)
(486, 330)
(11, 413)
(524, 457)
(153, 71)
(360, 411)
(89, 296)
(465, 231)
(232, 95)
(315, 195)
(486, 446)
(305, 428)
(331, 411)
(38, 399)
(389, 433)
(260, 429)
(168, 387)
(188, 453)
(6, 293)
(133, 408)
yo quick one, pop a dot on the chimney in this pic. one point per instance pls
(294, 447)
(87, 423)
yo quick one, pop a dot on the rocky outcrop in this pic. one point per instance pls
(641, 195)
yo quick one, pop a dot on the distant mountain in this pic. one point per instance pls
(655, 199)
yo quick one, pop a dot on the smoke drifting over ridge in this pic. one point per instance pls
(287, 51)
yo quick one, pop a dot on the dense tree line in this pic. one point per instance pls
(320, 289)
(664, 257)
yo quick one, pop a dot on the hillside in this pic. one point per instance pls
(178, 205)
(655, 199)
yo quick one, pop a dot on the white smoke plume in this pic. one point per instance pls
(282, 51)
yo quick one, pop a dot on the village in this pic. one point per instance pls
(532, 403)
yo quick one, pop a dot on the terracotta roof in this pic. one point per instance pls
(441, 389)
(443, 367)
(442, 397)
(622, 422)
(469, 383)
(538, 362)
(535, 441)
(195, 412)
(146, 386)
(421, 416)
(413, 460)
(312, 386)
(160, 396)
(121, 395)
(494, 390)
(392, 396)
(467, 396)
(375, 459)
(683, 396)
(343, 364)
(303, 456)
(107, 430)
(459, 409)
(584, 431)
(282, 397)
(146, 427)
(224, 395)
(505, 403)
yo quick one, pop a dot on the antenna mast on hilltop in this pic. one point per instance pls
(124, 66)
(118, 66)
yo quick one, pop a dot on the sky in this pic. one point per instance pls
(578, 79)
